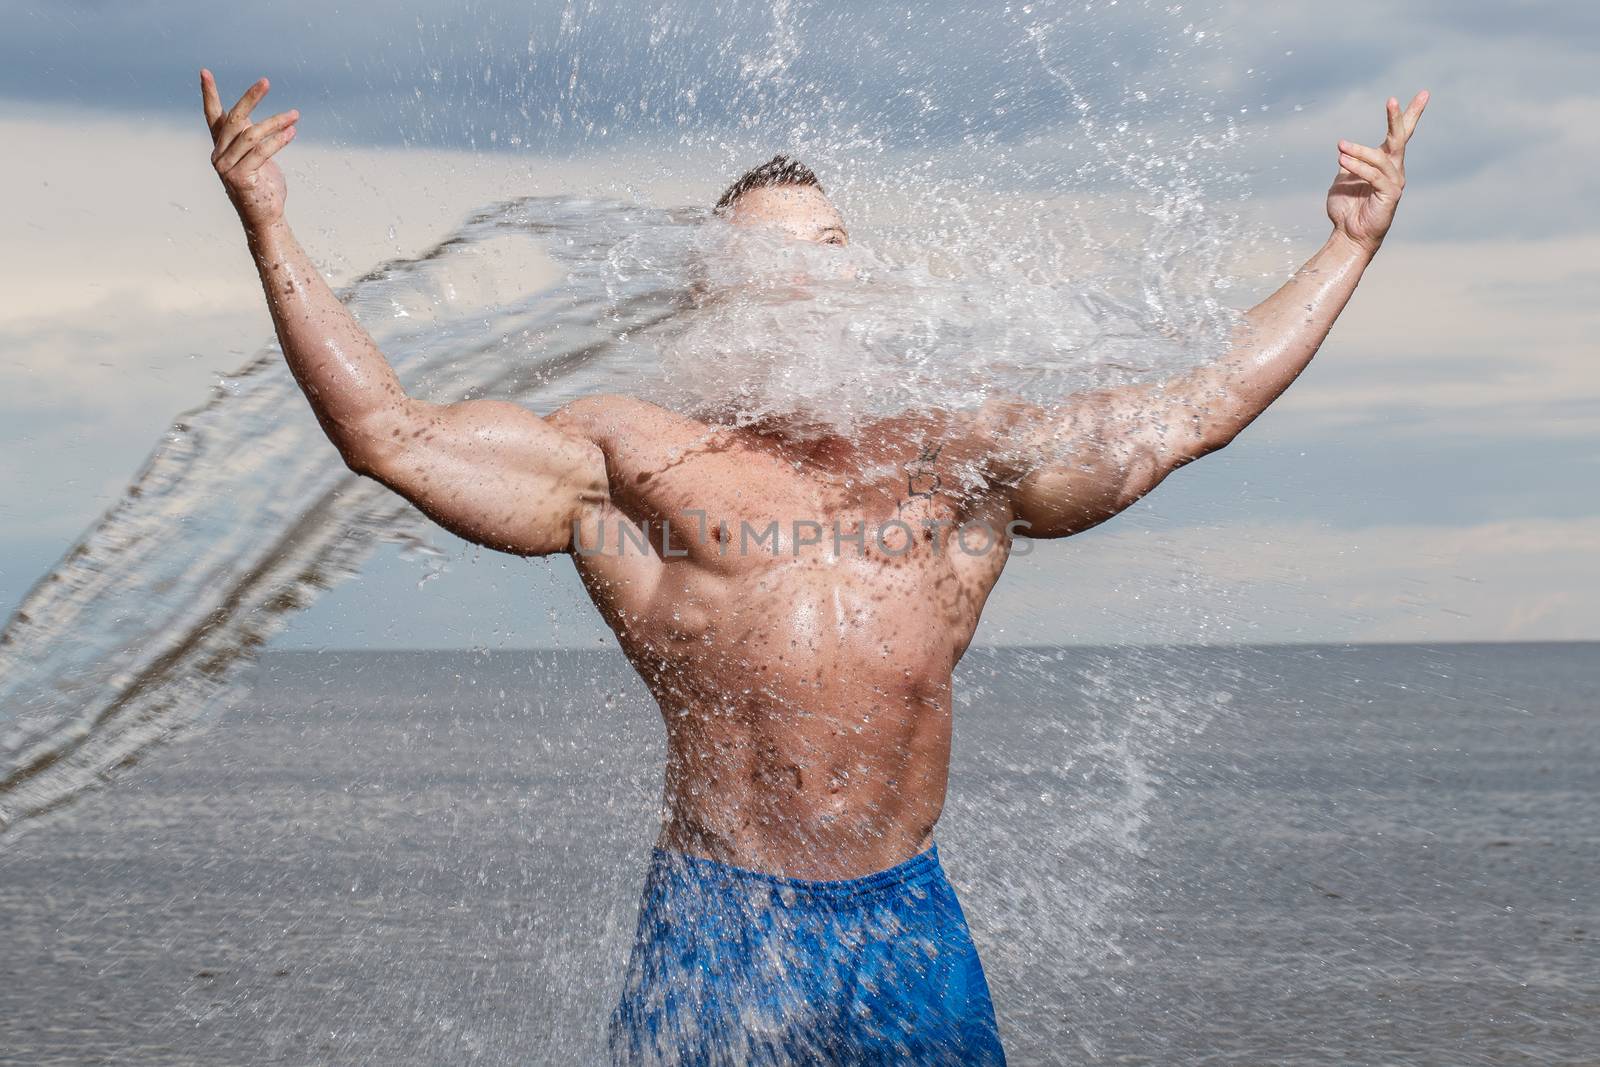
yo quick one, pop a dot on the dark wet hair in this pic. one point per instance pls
(779, 170)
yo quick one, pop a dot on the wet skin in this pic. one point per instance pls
(805, 687)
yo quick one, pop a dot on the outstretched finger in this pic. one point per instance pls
(210, 100)
(237, 120)
(265, 150)
(1397, 136)
(1414, 110)
(240, 115)
(246, 141)
(1364, 170)
(1378, 157)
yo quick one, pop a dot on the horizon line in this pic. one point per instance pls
(1031, 646)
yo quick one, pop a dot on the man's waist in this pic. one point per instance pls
(849, 829)
(921, 868)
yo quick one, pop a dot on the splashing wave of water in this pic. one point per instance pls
(244, 515)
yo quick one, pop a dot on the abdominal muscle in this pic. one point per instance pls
(801, 794)
(807, 708)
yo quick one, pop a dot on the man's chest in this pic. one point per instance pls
(737, 504)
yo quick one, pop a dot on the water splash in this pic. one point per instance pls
(244, 514)
(835, 337)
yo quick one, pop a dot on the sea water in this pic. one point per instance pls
(1380, 854)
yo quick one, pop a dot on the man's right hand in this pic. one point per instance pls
(243, 152)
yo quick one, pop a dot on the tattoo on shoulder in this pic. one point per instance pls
(922, 473)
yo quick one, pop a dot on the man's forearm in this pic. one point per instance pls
(1275, 342)
(339, 367)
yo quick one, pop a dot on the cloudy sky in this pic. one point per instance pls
(1434, 475)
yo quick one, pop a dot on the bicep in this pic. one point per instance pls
(1085, 460)
(489, 471)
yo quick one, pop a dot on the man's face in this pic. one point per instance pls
(803, 212)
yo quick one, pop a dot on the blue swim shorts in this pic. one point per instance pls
(732, 966)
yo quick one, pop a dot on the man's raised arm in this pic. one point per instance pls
(488, 470)
(1080, 463)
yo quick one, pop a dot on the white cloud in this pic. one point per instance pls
(1530, 579)
(114, 205)
(129, 289)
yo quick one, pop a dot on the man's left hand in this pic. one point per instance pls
(1370, 180)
